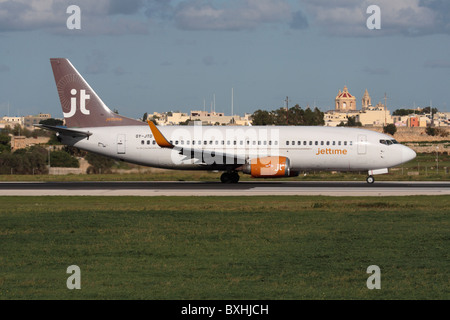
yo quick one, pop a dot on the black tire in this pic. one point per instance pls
(370, 179)
(225, 178)
(232, 177)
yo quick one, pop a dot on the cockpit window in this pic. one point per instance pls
(388, 142)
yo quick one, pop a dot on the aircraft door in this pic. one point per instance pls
(121, 146)
(362, 144)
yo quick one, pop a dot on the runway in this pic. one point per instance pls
(244, 188)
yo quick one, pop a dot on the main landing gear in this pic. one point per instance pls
(229, 177)
(370, 179)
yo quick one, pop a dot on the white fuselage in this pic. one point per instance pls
(308, 148)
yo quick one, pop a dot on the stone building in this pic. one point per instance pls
(345, 101)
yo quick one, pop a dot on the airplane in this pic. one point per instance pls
(260, 151)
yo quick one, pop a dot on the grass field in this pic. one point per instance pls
(224, 247)
(423, 168)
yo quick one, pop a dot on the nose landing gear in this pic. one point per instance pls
(370, 179)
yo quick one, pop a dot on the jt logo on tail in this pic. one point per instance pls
(73, 103)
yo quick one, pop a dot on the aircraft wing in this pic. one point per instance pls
(65, 131)
(196, 153)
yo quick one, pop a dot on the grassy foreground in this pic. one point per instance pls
(224, 247)
(423, 168)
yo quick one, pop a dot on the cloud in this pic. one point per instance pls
(375, 71)
(25, 15)
(349, 17)
(299, 20)
(336, 18)
(238, 15)
(208, 61)
(4, 68)
(124, 7)
(116, 17)
(96, 63)
(437, 64)
(97, 17)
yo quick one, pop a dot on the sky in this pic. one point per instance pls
(181, 55)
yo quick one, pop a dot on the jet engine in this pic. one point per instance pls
(269, 167)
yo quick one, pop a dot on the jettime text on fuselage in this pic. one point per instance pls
(331, 151)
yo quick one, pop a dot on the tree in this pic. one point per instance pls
(5, 142)
(63, 159)
(32, 160)
(294, 116)
(353, 123)
(144, 117)
(262, 118)
(390, 129)
(99, 164)
(436, 132)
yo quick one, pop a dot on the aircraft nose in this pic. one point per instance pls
(407, 154)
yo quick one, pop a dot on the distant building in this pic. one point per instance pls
(366, 101)
(375, 116)
(345, 101)
(345, 108)
(29, 121)
(20, 142)
(205, 117)
(11, 121)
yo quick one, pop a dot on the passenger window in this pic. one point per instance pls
(142, 142)
(310, 143)
(276, 143)
(328, 143)
(339, 143)
(287, 143)
(317, 143)
(334, 143)
(345, 143)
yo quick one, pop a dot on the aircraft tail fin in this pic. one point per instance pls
(81, 106)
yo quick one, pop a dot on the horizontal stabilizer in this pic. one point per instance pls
(65, 131)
